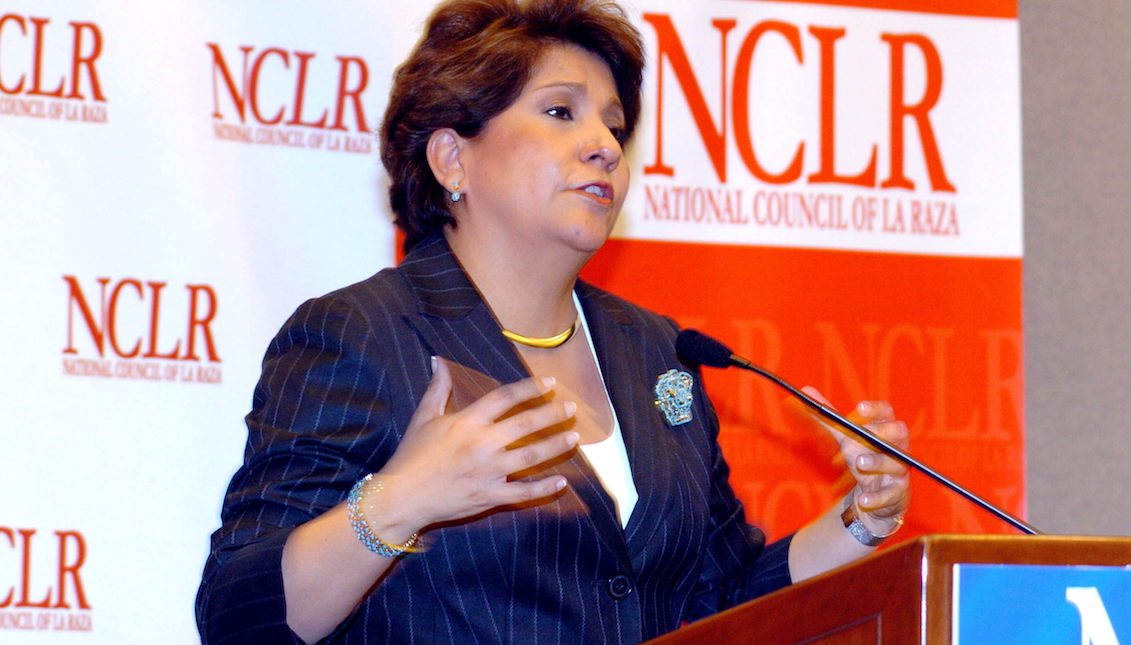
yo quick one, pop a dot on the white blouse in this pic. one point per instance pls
(608, 458)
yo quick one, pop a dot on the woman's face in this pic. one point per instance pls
(549, 168)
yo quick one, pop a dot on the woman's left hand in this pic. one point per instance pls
(883, 487)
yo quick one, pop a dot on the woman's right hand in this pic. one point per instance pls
(451, 466)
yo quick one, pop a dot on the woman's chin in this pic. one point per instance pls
(588, 238)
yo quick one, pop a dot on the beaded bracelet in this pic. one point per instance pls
(361, 526)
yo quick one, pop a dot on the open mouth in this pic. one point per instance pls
(601, 192)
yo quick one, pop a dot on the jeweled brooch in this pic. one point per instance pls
(673, 396)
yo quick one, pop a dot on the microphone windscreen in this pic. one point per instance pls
(700, 348)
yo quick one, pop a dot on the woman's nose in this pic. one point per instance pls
(603, 148)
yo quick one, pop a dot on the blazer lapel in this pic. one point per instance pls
(631, 363)
(454, 322)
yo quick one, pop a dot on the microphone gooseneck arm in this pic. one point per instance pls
(703, 349)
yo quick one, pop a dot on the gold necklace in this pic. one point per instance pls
(549, 342)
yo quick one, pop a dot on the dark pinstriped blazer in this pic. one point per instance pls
(339, 384)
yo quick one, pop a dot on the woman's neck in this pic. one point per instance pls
(529, 289)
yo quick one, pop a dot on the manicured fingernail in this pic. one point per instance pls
(570, 408)
(865, 461)
(863, 499)
(865, 406)
(561, 483)
(435, 362)
(548, 381)
(572, 438)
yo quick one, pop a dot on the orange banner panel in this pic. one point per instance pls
(939, 337)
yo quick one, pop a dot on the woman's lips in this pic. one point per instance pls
(599, 192)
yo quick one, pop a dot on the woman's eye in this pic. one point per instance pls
(560, 112)
(618, 133)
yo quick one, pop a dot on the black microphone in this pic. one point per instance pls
(697, 347)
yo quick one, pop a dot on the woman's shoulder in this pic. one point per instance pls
(381, 290)
(385, 285)
(626, 311)
(360, 306)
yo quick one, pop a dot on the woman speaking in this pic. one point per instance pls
(393, 491)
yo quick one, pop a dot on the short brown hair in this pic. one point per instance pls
(471, 64)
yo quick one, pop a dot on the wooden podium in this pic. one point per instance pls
(898, 596)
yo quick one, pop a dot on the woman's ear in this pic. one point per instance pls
(443, 151)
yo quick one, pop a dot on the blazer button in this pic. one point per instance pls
(619, 586)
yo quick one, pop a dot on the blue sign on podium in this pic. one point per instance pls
(1004, 604)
